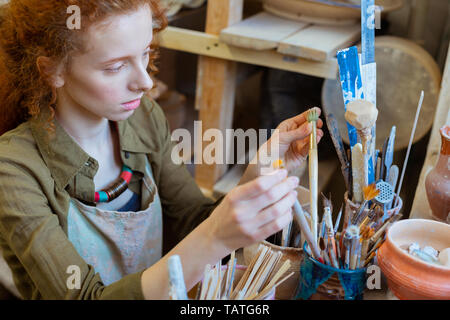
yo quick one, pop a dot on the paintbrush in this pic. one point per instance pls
(324, 243)
(359, 173)
(323, 248)
(299, 217)
(312, 117)
(279, 237)
(354, 231)
(339, 146)
(369, 192)
(347, 240)
(409, 149)
(389, 154)
(177, 287)
(338, 220)
(368, 216)
(377, 168)
(392, 180)
(330, 231)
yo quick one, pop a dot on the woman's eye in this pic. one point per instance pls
(116, 69)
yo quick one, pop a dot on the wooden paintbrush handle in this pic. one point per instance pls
(313, 186)
(299, 216)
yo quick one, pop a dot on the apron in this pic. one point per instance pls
(119, 243)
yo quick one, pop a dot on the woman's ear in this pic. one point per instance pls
(50, 71)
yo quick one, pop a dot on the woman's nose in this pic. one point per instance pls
(141, 80)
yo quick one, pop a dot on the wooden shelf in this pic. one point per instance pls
(210, 45)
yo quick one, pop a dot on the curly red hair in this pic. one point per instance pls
(33, 28)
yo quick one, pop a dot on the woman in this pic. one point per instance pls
(75, 118)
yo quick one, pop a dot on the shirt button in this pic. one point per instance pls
(127, 154)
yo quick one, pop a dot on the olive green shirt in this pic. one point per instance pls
(37, 180)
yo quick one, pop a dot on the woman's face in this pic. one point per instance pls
(102, 82)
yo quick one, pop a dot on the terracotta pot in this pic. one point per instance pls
(437, 183)
(288, 288)
(239, 272)
(408, 277)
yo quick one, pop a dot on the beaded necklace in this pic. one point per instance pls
(117, 188)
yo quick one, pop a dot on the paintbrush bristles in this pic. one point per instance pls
(312, 115)
(370, 192)
(278, 164)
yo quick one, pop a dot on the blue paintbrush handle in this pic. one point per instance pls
(389, 153)
(351, 83)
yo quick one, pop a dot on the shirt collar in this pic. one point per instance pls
(65, 158)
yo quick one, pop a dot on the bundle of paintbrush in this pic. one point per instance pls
(259, 280)
(360, 167)
(362, 233)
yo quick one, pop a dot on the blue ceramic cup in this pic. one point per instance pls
(318, 280)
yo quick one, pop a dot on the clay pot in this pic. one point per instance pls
(288, 288)
(408, 277)
(239, 272)
(437, 182)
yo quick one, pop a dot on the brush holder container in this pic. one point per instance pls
(239, 272)
(287, 289)
(350, 206)
(323, 282)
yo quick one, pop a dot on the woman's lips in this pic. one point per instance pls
(132, 104)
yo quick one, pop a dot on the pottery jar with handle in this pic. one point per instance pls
(437, 182)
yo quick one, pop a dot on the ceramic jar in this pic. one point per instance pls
(437, 182)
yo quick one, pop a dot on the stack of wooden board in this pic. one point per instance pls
(265, 31)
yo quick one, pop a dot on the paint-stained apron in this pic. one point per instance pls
(119, 243)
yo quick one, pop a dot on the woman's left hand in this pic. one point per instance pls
(293, 139)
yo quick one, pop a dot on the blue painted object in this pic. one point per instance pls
(351, 83)
(314, 273)
(370, 82)
(367, 31)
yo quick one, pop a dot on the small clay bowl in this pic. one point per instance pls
(408, 277)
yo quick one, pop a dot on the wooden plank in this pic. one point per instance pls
(209, 45)
(319, 43)
(216, 81)
(421, 208)
(262, 31)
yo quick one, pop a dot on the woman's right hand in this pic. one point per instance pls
(253, 211)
